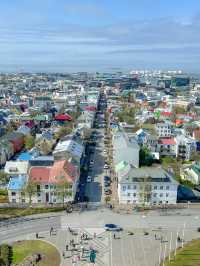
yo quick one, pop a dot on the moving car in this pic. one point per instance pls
(113, 227)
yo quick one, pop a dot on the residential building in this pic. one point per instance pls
(147, 186)
(125, 148)
(163, 129)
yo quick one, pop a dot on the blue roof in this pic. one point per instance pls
(25, 156)
(16, 182)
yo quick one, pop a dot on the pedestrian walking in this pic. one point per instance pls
(51, 231)
(155, 237)
(37, 236)
(114, 236)
(95, 235)
(67, 247)
(63, 254)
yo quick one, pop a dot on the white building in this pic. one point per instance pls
(148, 186)
(185, 147)
(163, 129)
(125, 149)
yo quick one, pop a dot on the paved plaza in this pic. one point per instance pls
(151, 236)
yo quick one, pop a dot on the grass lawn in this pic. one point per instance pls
(26, 248)
(188, 256)
(17, 212)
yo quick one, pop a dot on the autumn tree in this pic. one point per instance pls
(63, 189)
(30, 189)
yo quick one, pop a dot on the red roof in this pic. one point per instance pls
(63, 117)
(166, 113)
(40, 174)
(166, 141)
(179, 122)
(90, 108)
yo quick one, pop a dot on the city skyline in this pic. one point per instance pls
(93, 35)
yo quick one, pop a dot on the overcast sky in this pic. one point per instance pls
(99, 35)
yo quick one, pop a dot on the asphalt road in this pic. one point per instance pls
(93, 190)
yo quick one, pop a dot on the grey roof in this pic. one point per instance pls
(150, 174)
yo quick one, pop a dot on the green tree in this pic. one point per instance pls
(63, 131)
(29, 142)
(3, 177)
(145, 158)
(5, 254)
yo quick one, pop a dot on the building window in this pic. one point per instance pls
(23, 200)
(155, 194)
(124, 188)
(46, 186)
(134, 194)
(129, 187)
(128, 194)
(167, 187)
(167, 194)
(38, 188)
(13, 193)
(39, 201)
(135, 187)
(155, 187)
(161, 194)
(161, 187)
(38, 194)
(14, 200)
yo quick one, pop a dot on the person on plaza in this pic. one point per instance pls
(67, 247)
(63, 254)
(95, 235)
(51, 231)
(155, 237)
(114, 236)
(37, 235)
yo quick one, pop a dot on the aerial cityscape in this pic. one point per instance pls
(99, 133)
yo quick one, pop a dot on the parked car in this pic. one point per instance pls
(106, 166)
(91, 162)
(113, 227)
(107, 183)
(89, 179)
(106, 178)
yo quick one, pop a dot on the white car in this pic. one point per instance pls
(89, 179)
(106, 166)
(91, 162)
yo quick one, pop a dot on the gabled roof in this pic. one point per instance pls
(53, 174)
(40, 174)
(63, 117)
(167, 141)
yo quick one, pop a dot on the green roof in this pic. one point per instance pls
(196, 168)
(40, 118)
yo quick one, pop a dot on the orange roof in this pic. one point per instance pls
(52, 174)
(62, 169)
